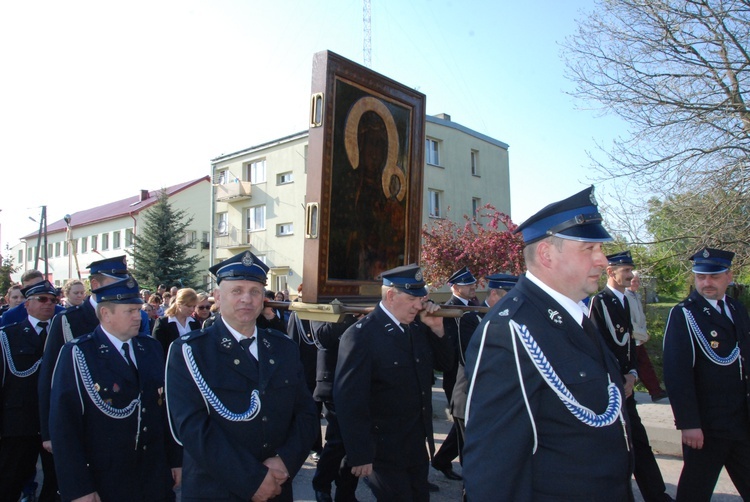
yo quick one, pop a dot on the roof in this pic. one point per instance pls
(453, 125)
(117, 209)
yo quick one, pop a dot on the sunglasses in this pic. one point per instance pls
(205, 307)
(43, 299)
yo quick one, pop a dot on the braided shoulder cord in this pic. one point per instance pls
(301, 331)
(549, 375)
(696, 333)
(12, 364)
(67, 331)
(212, 398)
(82, 368)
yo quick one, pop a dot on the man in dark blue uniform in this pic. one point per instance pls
(383, 387)
(73, 323)
(464, 288)
(545, 410)
(333, 466)
(610, 311)
(18, 313)
(108, 418)
(21, 347)
(498, 286)
(237, 397)
(706, 348)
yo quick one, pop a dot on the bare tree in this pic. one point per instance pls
(677, 72)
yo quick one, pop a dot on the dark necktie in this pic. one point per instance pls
(131, 363)
(43, 332)
(720, 304)
(245, 343)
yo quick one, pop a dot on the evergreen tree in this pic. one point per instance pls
(160, 253)
(6, 269)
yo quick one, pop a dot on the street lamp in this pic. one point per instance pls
(70, 247)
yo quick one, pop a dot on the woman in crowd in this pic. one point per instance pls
(177, 319)
(13, 298)
(155, 300)
(74, 292)
(202, 309)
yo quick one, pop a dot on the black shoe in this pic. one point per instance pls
(433, 487)
(449, 473)
(659, 396)
(315, 456)
(322, 497)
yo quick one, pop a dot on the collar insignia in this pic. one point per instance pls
(266, 343)
(184, 337)
(503, 313)
(103, 347)
(226, 343)
(555, 316)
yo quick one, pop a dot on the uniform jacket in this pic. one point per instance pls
(703, 394)
(167, 332)
(621, 323)
(467, 324)
(328, 335)
(20, 413)
(383, 389)
(126, 459)
(572, 461)
(223, 458)
(76, 321)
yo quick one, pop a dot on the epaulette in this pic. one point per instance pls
(276, 333)
(11, 325)
(193, 335)
(82, 339)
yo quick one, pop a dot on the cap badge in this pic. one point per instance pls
(705, 253)
(130, 283)
(418, 275)
(247, 259)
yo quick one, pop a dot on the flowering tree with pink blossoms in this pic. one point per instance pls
(486, 244)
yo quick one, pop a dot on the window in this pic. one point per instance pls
(476, 204)
(257, 171)
(205, 237)
(65, 248)
(475, 163)
(49, 249)
(84, 244)
(222, 224)
(285, 229)
(105, 242)
(191, 238)
(116, 240)
(20, 256)
(285, 178)
(94, 242)
(57, 249)
(221, 177)
(431, 152)
(29, 255)
(256, 218)
(436, 203)
(128, 237)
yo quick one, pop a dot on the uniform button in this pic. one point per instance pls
(144, 447)
(395, 363)
(145, 429)
(265, 445)
(236, 361)
(143, 410)
(417, 359)
(271, 361)
(265, 419)
(286, 381)
(582, 374)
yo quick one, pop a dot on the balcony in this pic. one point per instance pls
(233, 191)
(230, 237)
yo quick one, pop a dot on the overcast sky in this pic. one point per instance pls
(100, 99)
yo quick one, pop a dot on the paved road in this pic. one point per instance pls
(657, 417)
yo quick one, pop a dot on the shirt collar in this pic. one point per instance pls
(573, 308)
(393, 318)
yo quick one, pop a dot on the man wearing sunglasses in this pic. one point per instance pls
(22, 345)
(18, 313)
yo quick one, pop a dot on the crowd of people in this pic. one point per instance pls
(126, 394)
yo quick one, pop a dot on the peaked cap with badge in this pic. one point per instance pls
(40, 288)
(501, 281)
(575, 218)
(712, 261)
(407, 278)
(124, 291)
(244, 266)
(621, 258)
(116, 267)
(462, 277)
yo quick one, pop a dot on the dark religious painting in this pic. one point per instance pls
(364, 192)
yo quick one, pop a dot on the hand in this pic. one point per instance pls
(433, 322)
(268, 489)
(91, 497)
(629, 384)
(692, 438)
(47, 445)
(177, 476)
(277, 469)
(362, 471)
